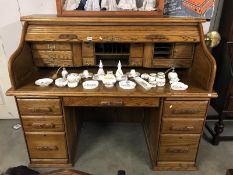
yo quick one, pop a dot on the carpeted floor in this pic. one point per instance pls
(105, 148)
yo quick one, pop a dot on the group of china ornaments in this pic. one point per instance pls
(111, 5)
(145, 80)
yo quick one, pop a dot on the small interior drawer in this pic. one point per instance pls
(182, 126)
(111, 101)
(39, 106)
(135, 61)
(46, 145)
(42, 123)
(53, 58)
(178, 147)
(51, 46)
(185, 108)
(89, 61)
(181, 50)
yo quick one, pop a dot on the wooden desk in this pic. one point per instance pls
(173, 120)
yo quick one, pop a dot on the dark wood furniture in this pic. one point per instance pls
(61, 12)
(224, 77)
(51, 116)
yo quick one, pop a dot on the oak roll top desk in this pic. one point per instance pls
(51, 117)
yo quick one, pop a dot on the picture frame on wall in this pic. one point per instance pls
(110, 8)
(189, 8)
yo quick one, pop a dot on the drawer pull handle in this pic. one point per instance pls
(186, 128)
(43, 125)
(185, 111)
(46, 148)
(108, 103)
(177, 150)
(40, 110)
(68, 36)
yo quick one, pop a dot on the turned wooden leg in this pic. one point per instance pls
(219, 128)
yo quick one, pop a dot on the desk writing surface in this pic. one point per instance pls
(30, 89)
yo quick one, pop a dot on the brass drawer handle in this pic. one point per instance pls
(177, 150)
(51, 47)
(43, 125)
(40, 110)
(68, 36)
(185, 128)
(108, 103)
(185, 111)
(46, 148)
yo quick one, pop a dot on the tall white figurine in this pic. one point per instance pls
(64, 73)
(127, 5)
(148, 5)
(92, 5)
(119, 72)
(71, 4)
(109, 5)
(101, 70)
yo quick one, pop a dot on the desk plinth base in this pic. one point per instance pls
(50, 163)
(175, 166)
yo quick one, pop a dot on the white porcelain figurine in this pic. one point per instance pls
(71, 4)
(101, 70)
(127, 5)
(109, 5)
(64, 73)
(148, 5)
(92, 5)
(119, 72)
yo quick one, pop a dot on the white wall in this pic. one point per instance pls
(10, 33)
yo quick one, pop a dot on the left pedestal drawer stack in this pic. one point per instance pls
(43, 125)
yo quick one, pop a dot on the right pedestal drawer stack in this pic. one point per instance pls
(181, 129)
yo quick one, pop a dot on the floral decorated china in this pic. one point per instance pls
(43, 82)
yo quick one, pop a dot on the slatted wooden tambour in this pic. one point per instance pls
(173, 121)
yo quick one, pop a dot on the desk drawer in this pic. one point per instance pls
(43, 123)
(53, 58)
(51, 46)
(185, 108)
(39, 106)
(182, 126)
(46, 145)
(178, 148)
(111, 101)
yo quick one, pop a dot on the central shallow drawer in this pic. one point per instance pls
(178, 148)
(39, 106)
(182, 125)
(111, 101)
(46, 145)
(185, 108)
(42, 123)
